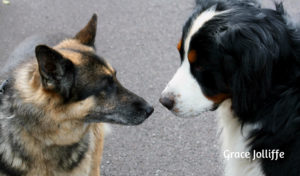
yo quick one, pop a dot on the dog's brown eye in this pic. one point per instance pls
(199, 68)
(109, 80)
(108, 84)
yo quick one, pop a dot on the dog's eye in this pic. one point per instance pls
(109, 80)
(106, 85)
(199, 68)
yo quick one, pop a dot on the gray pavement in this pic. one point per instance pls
(138, 37)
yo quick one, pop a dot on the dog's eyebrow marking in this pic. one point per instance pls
(107, 71)
(179, 45)
(74, 57)
(110, 68)
(192, 56)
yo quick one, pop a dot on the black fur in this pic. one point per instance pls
(253, 55)
(72, 155)
(7, 169)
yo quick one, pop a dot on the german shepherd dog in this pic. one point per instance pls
(53, 102)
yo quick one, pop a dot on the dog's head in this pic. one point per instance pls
(231, 49)
(73, 82)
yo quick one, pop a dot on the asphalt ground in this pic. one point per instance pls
(138, 37)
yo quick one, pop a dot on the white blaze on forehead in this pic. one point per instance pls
(197, 24)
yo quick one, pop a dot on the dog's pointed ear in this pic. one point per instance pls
(87, 35)
(57, 73)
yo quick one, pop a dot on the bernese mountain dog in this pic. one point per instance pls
(243, 61)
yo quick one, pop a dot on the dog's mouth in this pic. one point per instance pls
(130, 119)
(191, 114)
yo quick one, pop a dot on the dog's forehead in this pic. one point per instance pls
(73, 44)
(193, 25)
(83, 56)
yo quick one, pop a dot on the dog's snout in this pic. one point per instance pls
(142, 106)
(168, 102)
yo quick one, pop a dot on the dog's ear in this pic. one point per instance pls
(57, 73)
(87, 35)
(251, 76)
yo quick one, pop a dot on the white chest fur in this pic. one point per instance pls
(234, 140)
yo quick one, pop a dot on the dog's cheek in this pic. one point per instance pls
(76, 110)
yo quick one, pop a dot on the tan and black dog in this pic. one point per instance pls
(53, 102)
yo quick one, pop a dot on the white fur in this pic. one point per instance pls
(107, 129)
(184, 88)
(189, 99)
(197, 24)
(234, 140)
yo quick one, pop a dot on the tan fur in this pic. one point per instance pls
(74, 57)
(63, 124)
(98, 131)
(89, 166)
(179, 45)
(111, 69)
(74, 44)
(32, 91)
(107, 71)
(219, 98)
(62, 117)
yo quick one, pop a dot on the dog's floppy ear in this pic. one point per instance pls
(57, 73)
(251, 78)
(87, 35)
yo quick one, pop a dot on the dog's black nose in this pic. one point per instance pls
(149, 110)
(168, 102)
(143, 106)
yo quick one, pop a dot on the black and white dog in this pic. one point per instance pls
(244, 61)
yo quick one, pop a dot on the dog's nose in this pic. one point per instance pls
(168, 102)
(149, 110)
(143, 106)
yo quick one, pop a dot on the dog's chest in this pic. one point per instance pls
(84, 168)
(75, 159)
(71, 160)
(234, 140)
